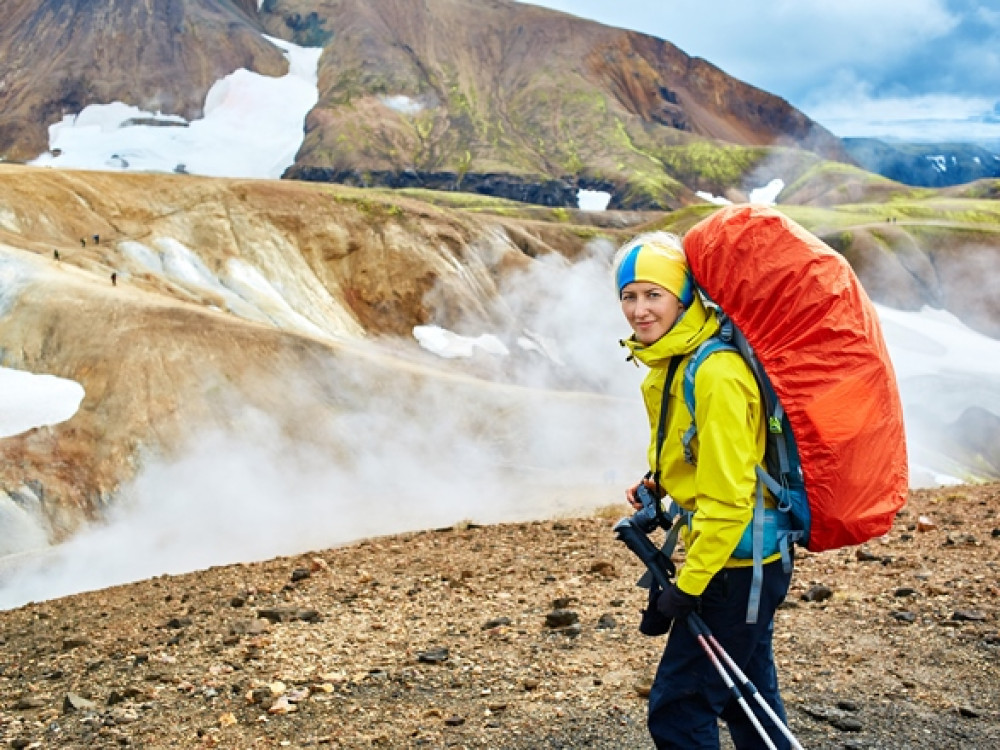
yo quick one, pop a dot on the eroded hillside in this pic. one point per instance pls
(182, 303)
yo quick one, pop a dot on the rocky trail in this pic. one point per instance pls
(511, 636)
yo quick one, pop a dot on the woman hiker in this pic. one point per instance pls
(716, 491)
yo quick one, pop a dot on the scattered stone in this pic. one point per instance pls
(995, 533)
(561, 618)
(300, 574)
(69, 644)
(29, 702)
(847, 705)
(968, 615)
(530, 683)
(176, 623)
(257, 696)
(817, 593)
(288, 614)
(282, 706)
(497, 622)
(603, 568)
(817, 712)
(846, 723)
(122, 715)
(607, 621)
(968, 712)
(563, 602)
(904, 616)
(926, 523)
(433, 656)
(960, 540)
(572, 631)
(863, 555)
(643, 687)
(454, 721)
(73, 702)
(904, 591)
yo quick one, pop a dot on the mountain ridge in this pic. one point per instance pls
(501, 98)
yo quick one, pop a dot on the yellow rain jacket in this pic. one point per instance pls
(720, 488)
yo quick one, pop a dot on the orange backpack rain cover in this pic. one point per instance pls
(818, 337)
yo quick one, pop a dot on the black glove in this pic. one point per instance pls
(652, 622)
(674, 604)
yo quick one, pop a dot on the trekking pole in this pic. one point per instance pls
(701, 631)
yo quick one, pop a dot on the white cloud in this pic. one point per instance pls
(856, 113)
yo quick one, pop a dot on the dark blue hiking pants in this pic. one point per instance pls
(688, 694)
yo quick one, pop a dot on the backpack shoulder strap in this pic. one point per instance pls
(708, 347)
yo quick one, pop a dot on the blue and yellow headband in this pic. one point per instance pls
(659, 263)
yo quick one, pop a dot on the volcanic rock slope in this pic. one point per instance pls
(238, 297)
(505, 87)
(496, 97)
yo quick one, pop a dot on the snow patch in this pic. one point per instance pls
(243, 290)
(593, 200)
(450, 345)
(253, 287)
(708, 197)
(28, 400)
(939, 162)
(402, 103)
(768, 195)
(14, 275)
(253, 126)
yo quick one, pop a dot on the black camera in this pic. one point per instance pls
(648, 518)
(633, 532)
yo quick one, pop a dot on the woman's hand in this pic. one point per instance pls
(631, 494)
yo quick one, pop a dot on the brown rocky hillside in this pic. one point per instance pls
(511, 636)
(165, 352)
(59, 56)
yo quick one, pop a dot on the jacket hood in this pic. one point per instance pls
(695, 325)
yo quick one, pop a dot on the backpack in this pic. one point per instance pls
(795, 311)
(835, 456)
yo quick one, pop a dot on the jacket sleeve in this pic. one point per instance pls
(729, 445)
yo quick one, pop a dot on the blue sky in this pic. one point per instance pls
(911, 69)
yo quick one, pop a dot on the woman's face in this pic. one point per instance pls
(650, 309)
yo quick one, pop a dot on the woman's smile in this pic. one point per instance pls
(650, 310)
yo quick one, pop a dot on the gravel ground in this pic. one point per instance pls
(514, 636)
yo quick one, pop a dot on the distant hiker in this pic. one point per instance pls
(715, 488)
(97, 239)
(114, 279)
(83, 242)
(55, 254)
